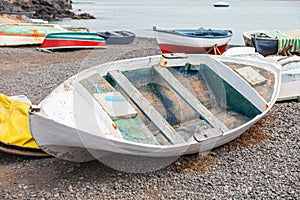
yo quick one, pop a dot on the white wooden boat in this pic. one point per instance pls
(221, 4)
(194, 41)
(290, 69)
(16, 34)
(154, 108)
(290, 77)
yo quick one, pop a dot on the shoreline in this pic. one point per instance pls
(263, 162)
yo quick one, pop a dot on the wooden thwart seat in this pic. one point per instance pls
(167, 130)
(189, 98)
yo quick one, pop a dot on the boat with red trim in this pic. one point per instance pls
(72, 40)
(193, 40)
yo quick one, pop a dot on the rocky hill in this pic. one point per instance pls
(43, 9)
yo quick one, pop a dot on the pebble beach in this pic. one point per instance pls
(261, 164)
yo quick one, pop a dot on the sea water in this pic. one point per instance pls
(139, 16)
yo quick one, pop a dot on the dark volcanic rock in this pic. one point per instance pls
(83, 16)
(43, 9)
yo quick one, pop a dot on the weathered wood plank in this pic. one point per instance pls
(189, 98)
(167, 130)
(253, 77)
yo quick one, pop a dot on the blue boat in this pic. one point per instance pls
(265, 45)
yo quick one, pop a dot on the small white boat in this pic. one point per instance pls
(16, 34)
(145, 112)
(221, 4)
(290, 70)
(290, 77)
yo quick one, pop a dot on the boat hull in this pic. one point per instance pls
(76, 40)
(79, 146)
(290, 79)
(26, 33)
(63, 44)
(176, 43)
(289, 90)
(20, 40)
(117, 37)
(265, 46)
(171, 48)
(221, 6)
(125, 40)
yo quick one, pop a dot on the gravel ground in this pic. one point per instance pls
(262, 164)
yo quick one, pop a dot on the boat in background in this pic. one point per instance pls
(150, 109)
(221, 4)
(265, 45)
(248, 35)
(290, 77)
(290, 70)
(39, 21)
(117, 37)
(17, 34)
(193, 40)
(271, 42)
(72, 40)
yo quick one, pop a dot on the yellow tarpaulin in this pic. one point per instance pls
(14, 123)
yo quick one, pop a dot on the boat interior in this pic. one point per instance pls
(205, 33)
(170, 105)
